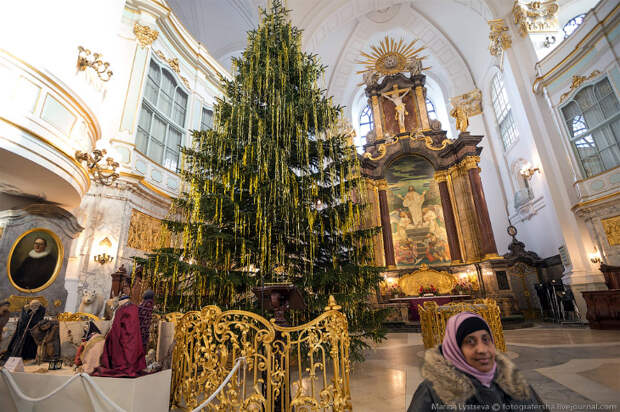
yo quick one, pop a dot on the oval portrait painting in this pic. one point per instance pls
(35, 260)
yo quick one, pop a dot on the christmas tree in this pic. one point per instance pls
(273, 193)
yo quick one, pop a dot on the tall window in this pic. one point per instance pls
(366, 122)
(430, 109)
(206, 121)
(593, 121)
(162, 118)
(503, 112)
(572, 25)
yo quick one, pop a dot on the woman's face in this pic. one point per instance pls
(479, 350)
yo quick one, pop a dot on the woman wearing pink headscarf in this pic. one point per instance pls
(465, 370)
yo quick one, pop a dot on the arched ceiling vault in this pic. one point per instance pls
(455, 33)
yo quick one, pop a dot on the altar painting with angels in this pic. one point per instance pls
(417, 223)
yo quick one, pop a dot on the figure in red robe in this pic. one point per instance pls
(123, 353)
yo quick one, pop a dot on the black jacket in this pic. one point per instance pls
(447, 388)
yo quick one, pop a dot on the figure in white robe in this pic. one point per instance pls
(413, 201)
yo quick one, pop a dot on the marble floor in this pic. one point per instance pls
(572, 369)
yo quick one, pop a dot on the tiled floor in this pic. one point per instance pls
(571, 369)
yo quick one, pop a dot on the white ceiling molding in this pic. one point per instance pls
(330, 14)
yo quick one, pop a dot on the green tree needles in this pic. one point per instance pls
(274, 187)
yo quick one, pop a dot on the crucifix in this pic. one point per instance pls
(397, 98)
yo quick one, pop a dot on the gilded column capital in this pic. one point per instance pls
(441, 176)
(536, 16)
(381, 184)
(499, 37)
(144, 34)
(470, 162)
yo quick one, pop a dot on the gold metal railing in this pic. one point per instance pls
(288, 368)
(433, 320)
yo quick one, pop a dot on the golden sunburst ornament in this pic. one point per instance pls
(390, 57)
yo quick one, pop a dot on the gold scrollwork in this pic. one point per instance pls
(76, 316)
(145, 232)
(174, 65)
(433, 319)
(611, 226)
(499, 37)
(536, 16)
(471, 102)
(425, 276)
(577, 82)
(287, 368)
(144, 34)
(417, 136)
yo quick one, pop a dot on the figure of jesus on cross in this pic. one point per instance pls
(397, 98)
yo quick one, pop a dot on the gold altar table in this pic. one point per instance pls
(433, 320)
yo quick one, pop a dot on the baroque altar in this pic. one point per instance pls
(425, 189)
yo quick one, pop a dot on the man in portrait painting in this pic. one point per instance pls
(37, 267)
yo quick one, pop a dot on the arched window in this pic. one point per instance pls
(162, 117)
(366, 122)
(430, 109)
(593, 121)
(503, 112)
(572, 25)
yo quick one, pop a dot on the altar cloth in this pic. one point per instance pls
(149, 393)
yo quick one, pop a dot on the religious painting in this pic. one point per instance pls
(35, 260)
(417, 223)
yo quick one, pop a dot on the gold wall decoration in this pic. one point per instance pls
(536, 16)
(425, 276)
(17, 303)
(146, 232)
(577, 82)
(471, 102)
(87, 59)
(144, 34)
(1, 231)
(499, 37)
(287, 368)
(433, 319)
(174, 65)
(611, 226)
(418, 136)
(391, 57)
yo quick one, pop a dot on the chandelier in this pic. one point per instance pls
(104, 175)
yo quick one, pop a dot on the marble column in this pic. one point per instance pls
(448, 216)
(487, 240)
(386, 226)
(421, 101)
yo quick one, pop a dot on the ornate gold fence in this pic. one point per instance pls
(303, 368)
(433, 320)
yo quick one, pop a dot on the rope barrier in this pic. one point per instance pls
(224, 383)
(15, 390)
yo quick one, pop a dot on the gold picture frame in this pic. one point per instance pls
(19, 246)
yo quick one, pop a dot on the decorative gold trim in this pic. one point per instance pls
(149, 186)
(59, 260)
(499, 37)
(79, 107)
(425, 276)
(17, 303)
(44, 140)
(174, 65)
(75, 316)
(144, 34)
(470, 162)
(593, 201)
(536, 16)
(378, 124)
(471, 102)
(611, 227)
(390, 57)
(577, 82)
(569, 55)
